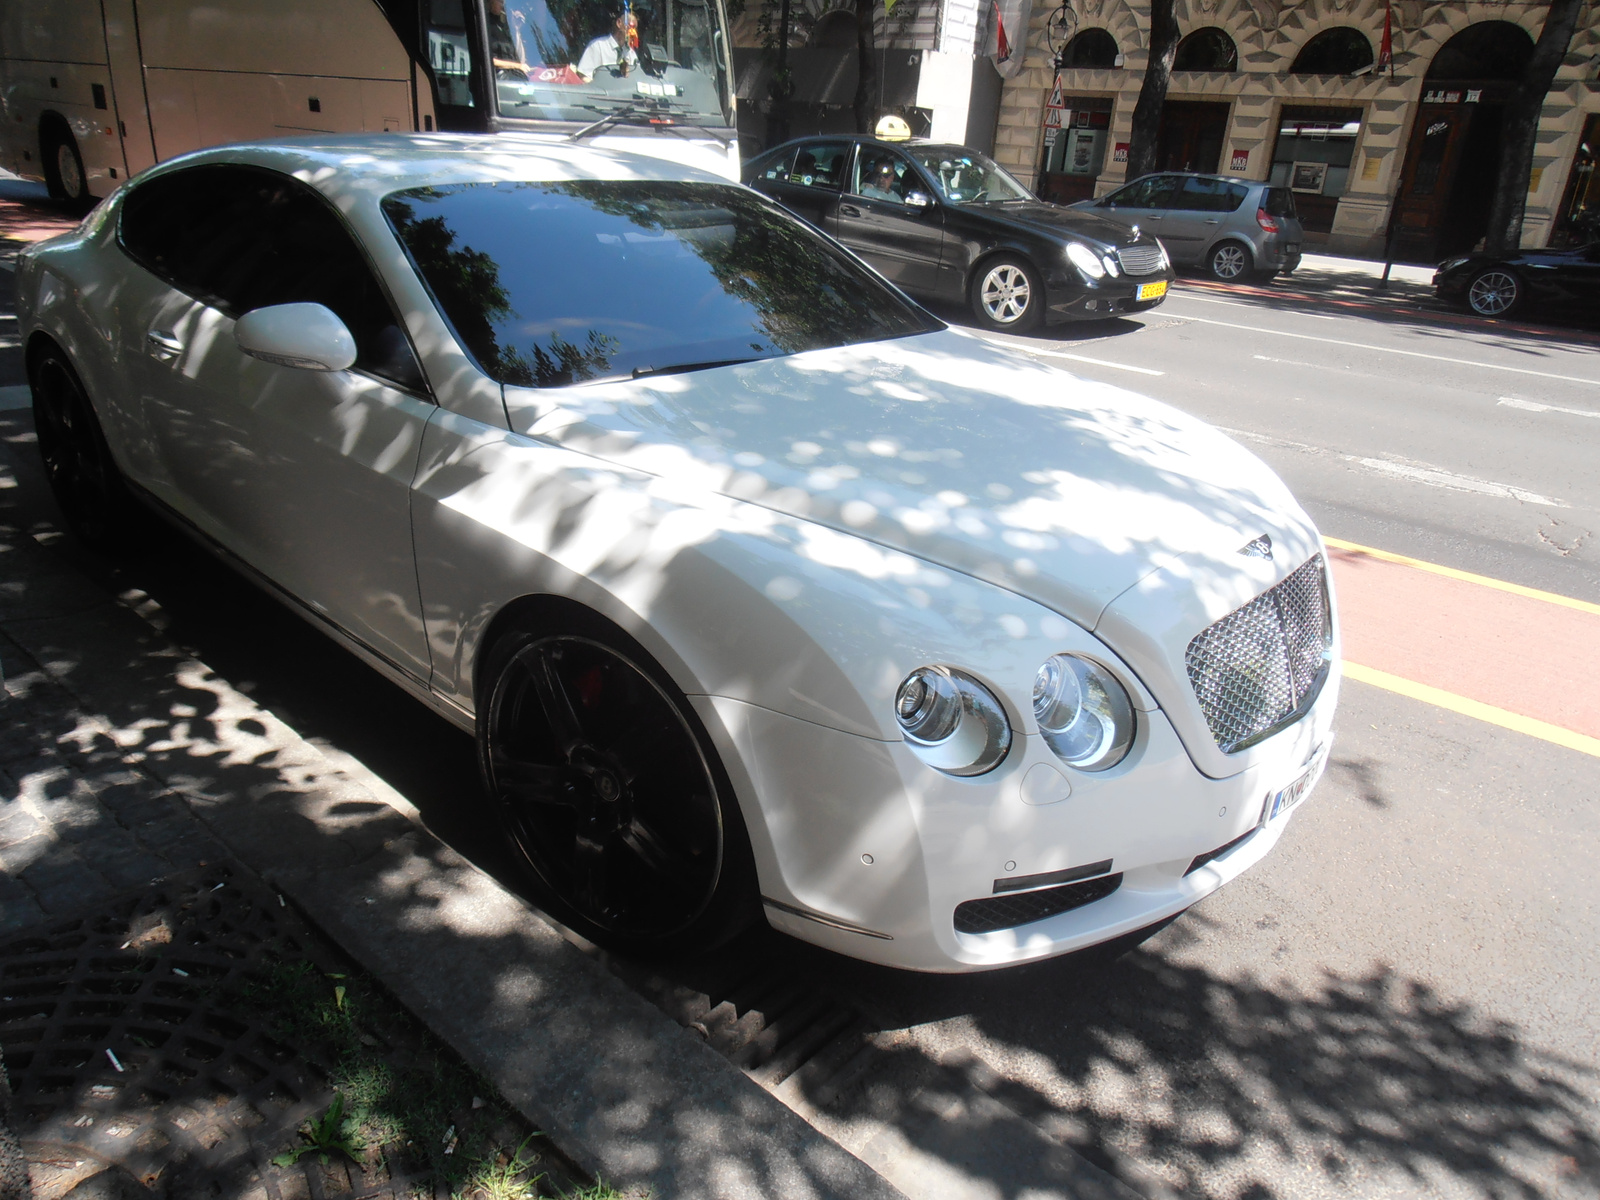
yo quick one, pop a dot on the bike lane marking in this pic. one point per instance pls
(1513, 656)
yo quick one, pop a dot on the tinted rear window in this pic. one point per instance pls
(549, 284)
(1279, 202)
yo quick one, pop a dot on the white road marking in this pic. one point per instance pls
(1290, 362)
(1188, 295)
(1460, 362)
(1413, 472)
(1535, 406)
(1099, 362)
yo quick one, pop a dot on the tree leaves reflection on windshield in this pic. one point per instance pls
(549, 284)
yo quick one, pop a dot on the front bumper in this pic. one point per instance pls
(1069, 298)
(863, 849)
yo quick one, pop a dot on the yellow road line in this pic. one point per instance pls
(1516, 589)
(1473, 708)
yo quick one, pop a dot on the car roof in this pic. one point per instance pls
(1204, 175)
(347, 166)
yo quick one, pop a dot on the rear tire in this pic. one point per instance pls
(63, 169)
(609, 792)
(1495, 292)
(77, 462)
(1007, 295)
(1230, 262)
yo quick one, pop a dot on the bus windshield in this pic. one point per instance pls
(650, 61)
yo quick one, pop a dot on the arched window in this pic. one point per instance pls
(1091, 48)
(1487, 50)
(1207, 49)
(1342, 51)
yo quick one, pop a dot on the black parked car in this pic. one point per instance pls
(946, 223)
(1499, 287)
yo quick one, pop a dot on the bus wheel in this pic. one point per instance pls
(63, 168)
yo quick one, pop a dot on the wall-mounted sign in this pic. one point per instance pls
(1440, 96)
(1120, 152)
(1240, 161)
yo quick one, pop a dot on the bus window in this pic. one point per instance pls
(449, 53)
(579, 60)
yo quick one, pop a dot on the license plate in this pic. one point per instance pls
(1297, 791)
(1152, 291)
(1291, 251)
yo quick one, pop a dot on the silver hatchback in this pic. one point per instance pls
(1233, 228)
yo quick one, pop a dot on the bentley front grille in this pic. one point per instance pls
(1262, 665)
(1140, 260)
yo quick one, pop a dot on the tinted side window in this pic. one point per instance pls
(1211, 195)
(1163, 192)
(821, 164)
(241, 238)
(1279, 202)
(778, 169)
(883, 175)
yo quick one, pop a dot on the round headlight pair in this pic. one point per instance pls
(951, 721)
(1083, 712)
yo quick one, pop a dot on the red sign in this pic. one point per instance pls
(1120, 152)
(1241, 161)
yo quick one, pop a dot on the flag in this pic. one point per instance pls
(1002, 48)
(1386, 47)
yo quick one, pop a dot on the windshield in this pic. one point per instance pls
(580, 60)
(967, 177)
(551, 284)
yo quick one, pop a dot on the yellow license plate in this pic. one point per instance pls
(1152, 291)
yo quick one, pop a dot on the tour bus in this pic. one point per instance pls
(93, 91)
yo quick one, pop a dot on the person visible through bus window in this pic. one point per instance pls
(614, 49)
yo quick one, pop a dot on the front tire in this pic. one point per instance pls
(1495, 292)
(77, 462)
(1007, 295)
(609, 793)
(1230, 262)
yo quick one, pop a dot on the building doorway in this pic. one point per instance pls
(1578, 219)
(1447, 183)
(1191, 136)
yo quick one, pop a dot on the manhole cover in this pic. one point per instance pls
(130, 1044)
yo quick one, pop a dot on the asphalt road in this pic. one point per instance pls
(1397, 1002)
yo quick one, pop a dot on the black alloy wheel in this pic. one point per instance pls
(609, 794)
(1230, 262)
(1494, 292)
(1006, 295)
(77, 461)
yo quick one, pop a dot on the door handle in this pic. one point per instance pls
(162, 346)
(849, 210)
(1213, 220)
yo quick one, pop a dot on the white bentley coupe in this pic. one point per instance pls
(761, 589)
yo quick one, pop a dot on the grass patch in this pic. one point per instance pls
(399, 1090)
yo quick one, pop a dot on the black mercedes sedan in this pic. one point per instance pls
(1555, 280)
(946, 223)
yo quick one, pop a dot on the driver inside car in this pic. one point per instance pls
(616, 50)
(879, 183)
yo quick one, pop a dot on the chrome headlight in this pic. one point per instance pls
(951, 721)
(1084, 259)
(1083, 712)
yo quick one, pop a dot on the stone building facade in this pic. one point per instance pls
(1357, 145)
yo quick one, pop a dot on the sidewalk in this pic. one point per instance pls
(125, 760)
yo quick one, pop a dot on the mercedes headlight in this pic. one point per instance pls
(1083, 712)
(951, 721)
(1084, 259)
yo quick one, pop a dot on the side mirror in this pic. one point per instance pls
(308, 336)
(918, 199)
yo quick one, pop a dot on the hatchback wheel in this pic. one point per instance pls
(1006, 295)
(77, 461)
(1494, 292)
(1229, 262)
(609, 793)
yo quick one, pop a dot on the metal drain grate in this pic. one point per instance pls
(129, 990)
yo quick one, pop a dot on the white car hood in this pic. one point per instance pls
(964, 453)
